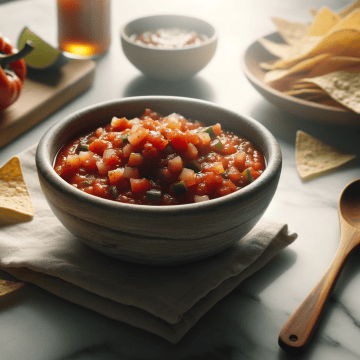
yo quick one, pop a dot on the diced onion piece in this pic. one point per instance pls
(102, 167)
(205, 138)
(131, 172)
(73, 162)
(216, 168)
(201, 198)
(188, 177)
(175, 164)
(127, 150)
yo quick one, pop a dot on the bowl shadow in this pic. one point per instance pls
(195, 87)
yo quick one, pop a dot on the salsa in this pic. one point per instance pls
(159, 160)
(168, 38)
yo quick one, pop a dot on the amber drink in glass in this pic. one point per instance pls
(83, 27)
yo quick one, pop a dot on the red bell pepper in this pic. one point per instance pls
(12, 71)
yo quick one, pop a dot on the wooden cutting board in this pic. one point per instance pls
(43, 93)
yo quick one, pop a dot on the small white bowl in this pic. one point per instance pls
(169, 64)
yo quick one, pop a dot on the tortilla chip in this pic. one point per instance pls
(349, 8)
(342, 86)
(7, 287)
(313, 11)
(324, 20)
(15, 201)
(315, 158)
(290, 31)
(307, 93)
(303, 66)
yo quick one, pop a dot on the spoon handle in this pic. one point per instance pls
(300, 326)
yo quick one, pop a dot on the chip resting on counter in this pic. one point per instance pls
(315, 158)
(15, 200)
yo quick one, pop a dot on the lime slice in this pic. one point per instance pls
(44, 56)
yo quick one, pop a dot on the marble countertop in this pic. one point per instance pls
(35, 325)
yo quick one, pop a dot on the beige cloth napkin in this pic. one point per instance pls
(167, 302)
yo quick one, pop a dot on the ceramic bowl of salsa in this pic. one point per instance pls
(120, 176)
(169, 47)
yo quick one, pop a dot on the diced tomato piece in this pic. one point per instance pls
(227, 188)
(140, 185)
(101, 190)
(120, 124)
(135, 159)
(229, 149)
(148, 113)
(150, 151)
(191, 151)
(149, 124)
(98, 146)
(138, 136)
(115, 138)
(89, 190)
(234, 174)
(88, 160)
(131, 172)
(127, 150)
(176, 164)
(115, 176)
(167, 176)
(178, 140)
(201, 189)
(217, 128)
(188, 177)
(172, 122)
(99, 132)
(102, 167)
(110, 157)
(212, 181)
(240, 160)
(157, 140)
(216, 167)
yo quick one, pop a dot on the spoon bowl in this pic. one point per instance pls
(297, 331)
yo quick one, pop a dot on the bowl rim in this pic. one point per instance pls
(46, 170)
(208, 41)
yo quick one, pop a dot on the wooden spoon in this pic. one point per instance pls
(297, 331)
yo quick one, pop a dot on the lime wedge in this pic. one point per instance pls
(44, 56)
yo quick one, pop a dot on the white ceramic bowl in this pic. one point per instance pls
(158, 235)
(169, 64)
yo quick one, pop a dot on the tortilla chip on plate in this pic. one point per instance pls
(7, 286)
(315, 158)
(324, 20)
(15, 200)
(342, 86)
(290, 31)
